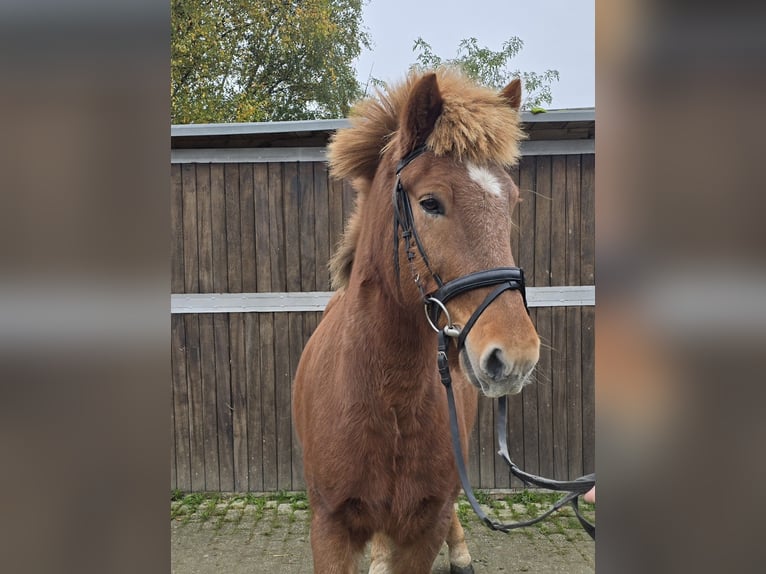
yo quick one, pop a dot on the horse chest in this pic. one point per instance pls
(410, 461)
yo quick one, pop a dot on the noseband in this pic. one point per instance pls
(504, 279)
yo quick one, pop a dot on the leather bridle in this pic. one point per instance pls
(503, 279)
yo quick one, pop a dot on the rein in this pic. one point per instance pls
(505, 279)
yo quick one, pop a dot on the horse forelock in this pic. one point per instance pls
(476, 124)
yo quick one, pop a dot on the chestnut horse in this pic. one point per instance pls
(368, 405)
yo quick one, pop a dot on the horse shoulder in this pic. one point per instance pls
(315, 378)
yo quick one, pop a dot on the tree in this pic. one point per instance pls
(491, 68)
(264, 60)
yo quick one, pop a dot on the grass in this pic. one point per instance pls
(204, 507)
(533, 503)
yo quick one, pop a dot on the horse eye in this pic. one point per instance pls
(431, 205)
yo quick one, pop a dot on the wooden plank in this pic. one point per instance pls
(559, 392)
(573, 221)
(542, 276)
(276, 228)
(542, 238)
(588, 391)
(233, 229)
(237, 382)
(573, 320)
(574, 395)
(485, 427)
(502, 478)
(173, 474)
(221, 329)
(238, 401)
(530, 438)
(191, 254)
(527, 183)
(176, 231)
(516, 435)
(587, 267)
(268, 398)
(265, 364)
(204, 230)
(282, 401)
(196, 415)
(544, 393)
(281, 372)
(247, 227)
(223, 402)
(247, 439)
(219, 251)
(559, 385)
(558, 222)
(515, 426)
(191, 324)
(515, 214)
(295, 343)
(180, 403)
(307, 228)
(180, 473)
(261, 206)
(289, 353)
(474, 454)
(252, 377)
(291, 209)
(206, 336)
(209, 402)
(587, 221)
(527, 205)
(306, 217)
(322, 226)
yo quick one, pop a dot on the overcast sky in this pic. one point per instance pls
(557, 34)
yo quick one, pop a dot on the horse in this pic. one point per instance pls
(369, 410)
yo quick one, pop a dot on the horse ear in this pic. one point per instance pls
(512, 93)
(423, 109)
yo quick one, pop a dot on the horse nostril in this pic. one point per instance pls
(494, 365)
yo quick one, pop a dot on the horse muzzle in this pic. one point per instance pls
(495, 373)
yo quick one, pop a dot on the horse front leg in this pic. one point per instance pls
(335, 550)
(459, 557)
(413, 552)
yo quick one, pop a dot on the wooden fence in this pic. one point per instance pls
(264, 226)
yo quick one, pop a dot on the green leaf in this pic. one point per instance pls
(492, 68)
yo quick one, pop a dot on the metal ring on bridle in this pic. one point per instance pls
(450, 330)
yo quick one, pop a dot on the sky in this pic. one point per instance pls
(557, 34)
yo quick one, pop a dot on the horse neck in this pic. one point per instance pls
(392, 351)
(390, 324)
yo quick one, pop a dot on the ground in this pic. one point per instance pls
(247, 534)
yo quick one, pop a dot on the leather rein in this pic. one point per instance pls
(504, 279)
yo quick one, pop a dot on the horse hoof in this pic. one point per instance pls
(460, 569)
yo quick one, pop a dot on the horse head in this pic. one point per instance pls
(448, 145)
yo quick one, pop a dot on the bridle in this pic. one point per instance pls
(504, 279)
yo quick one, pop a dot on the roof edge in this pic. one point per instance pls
(299, 126)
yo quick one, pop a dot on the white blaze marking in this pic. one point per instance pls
(485, 179)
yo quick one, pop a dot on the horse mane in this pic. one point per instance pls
(477, 124)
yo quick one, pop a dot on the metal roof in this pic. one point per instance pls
(550, 126)
(305, 126)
